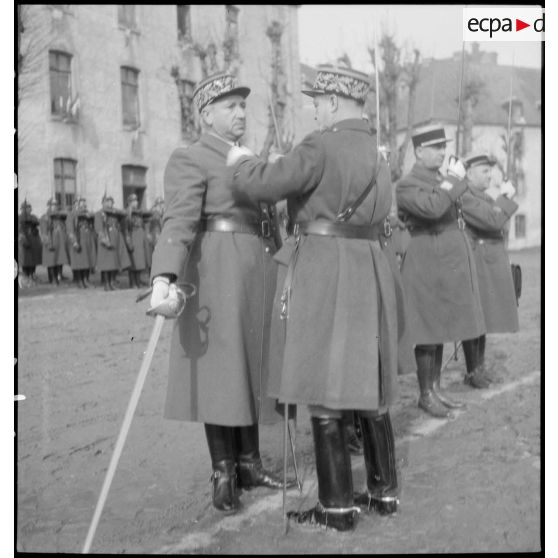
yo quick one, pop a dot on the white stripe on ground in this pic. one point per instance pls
(420, 428)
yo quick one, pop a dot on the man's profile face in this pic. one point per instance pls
(107, 204)
(432, 156)
(227, 116)
(479, 176)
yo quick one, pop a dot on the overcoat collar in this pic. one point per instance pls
(357, 124)
(216, 144)
(429, 175)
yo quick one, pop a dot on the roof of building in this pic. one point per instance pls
(438, 91)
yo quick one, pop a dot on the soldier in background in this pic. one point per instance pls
(438, 270)
(53, 235)
(29, 244)
(82, 251)
(136, 241)
(486, 219)
(112, 255)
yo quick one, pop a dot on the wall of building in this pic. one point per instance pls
(98, 140)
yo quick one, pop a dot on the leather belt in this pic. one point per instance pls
(417, 230)
(488, 239)
(343, 230)
(221, 224)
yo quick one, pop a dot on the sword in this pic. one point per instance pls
(146, 363)
(171, 307)
(508, 141)
(458, 131)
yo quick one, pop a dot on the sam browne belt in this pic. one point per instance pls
(223, 224)
(342, 230)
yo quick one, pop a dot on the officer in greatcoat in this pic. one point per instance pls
(154, 226)
(30, 249)
(52, 227)
(438, 269)
(219, 349)
(486, 219)
(336, 294)
(138, 243)
(112, 254)
(82, 243)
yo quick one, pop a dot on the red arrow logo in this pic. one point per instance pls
(519, 25)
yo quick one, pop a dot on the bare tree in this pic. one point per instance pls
(397, 71)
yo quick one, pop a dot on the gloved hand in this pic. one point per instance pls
(236, 152)
(159, 293)
(274, 157)
(456, 168)
(507, 189)
(76, 247)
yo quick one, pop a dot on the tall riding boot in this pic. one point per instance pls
(425, 356)
(137, 280)
(488, 371)
(82, 278)
(131, 278)
(75, 278)
(49, 273)
(353, 439)
(221, 448)
(335, 508)
(250, 468)
(104, 280)
(447, 401)
(475, 374)
(381, 472)
(111, 280)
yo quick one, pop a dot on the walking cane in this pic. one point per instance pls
(171, 307)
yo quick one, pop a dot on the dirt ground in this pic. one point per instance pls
(470, 484)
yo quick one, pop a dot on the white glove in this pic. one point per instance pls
(236, 152)
(274, 157)
(456, 169)
(446, 185)
(159, 293)
(507, 189)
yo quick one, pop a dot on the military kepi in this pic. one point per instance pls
(426, 137)
(215, 87)
(341, 81)
(478, 159)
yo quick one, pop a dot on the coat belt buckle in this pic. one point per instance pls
(266, 229)
(387, 229)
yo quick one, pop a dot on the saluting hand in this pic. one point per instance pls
(236, 152)
(507, 189)
(456, 168)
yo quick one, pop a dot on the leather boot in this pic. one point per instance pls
(335, 508)
(75, 278)
(381, 472)
(131, 278)
(250, 468)
(425, 356)
(49, 273)
(82, 279)
(221, 448)
(111, 276)
(447, 401)
(353, 440)
(56, 275)
(475, 373)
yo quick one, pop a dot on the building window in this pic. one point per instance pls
(60, 81)
(127, 16)
(133, 182)
(231, 15)
(184, 23)
(130, 100)
(520, 226)
(65, 182)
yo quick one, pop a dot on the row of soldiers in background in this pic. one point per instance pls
(109, 240)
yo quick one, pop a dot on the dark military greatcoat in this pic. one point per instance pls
(30, 249)
(112, 254)
(485, 220)
(140, 253)
(343, 313)
(82, 240)
(219, 349)
(438, 269)
(53, 235)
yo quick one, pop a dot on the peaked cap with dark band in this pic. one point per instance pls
(432, 135)
(477, 159)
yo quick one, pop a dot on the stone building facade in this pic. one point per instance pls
(105, 90)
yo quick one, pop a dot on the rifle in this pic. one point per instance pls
(508, 140)
(458, 131)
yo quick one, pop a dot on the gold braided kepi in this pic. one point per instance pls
(217, 86)
(341, 81)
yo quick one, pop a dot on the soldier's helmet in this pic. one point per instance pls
(26, 206)
(52, 203)
(131, 198)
